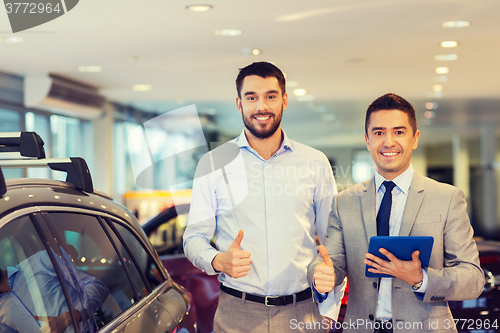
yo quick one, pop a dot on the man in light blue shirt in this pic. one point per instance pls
(415, 299)
(264, 196)
(34, 289)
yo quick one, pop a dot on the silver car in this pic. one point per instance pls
(72, 260)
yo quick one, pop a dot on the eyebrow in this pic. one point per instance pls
(273, 91)
(384, 128)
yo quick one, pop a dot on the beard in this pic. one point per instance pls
(259, 131)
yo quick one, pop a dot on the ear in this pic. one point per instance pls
(238, 105)
(415, 139)
(285, 101)
(367, 143)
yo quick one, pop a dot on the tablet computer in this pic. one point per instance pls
(402, 247)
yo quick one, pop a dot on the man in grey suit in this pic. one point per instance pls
(415, 300)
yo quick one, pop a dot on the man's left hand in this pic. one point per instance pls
(408, 271)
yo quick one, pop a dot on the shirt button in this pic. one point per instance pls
(371, 317)
(375, 285)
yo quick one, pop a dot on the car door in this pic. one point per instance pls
(141, 297)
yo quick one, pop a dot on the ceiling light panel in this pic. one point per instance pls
(12, 40)
(455, 24)
(442, 70)
(89, 69)
(142, 87)
(228, 32)
(199, 8)
(449, 43)
(299, 92)
(446, 57)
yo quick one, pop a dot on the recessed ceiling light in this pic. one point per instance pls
(437, 87)
(142, 87)
(299, 92)
(90, 69)
(445, 57)
(12, 40)
(442, 70)
(228, 32)
(449, 43)
(292, 84)
(455, 24)
(199, 8)
(255, 51)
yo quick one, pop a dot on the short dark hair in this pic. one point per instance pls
(392, 102)
(263, 69)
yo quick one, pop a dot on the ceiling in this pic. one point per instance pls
(345, 53)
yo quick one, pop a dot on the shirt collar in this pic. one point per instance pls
(403, 181)
(242, 141)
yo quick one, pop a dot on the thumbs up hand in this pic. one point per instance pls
(235, 262)
(324, 275)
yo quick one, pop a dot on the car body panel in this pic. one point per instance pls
(165, 309)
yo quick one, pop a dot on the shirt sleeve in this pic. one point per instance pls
(201, 221)
(420, 292)
(326, 188)
(330, 307)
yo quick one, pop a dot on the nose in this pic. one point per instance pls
(389, 140)
(262, 104)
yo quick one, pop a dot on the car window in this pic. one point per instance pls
(167, 238)
(30, 285)
(143, 260)
(92, 251)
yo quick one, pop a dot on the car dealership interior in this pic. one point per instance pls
(86, 80)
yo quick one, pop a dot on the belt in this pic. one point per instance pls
(269, 300)
(383, 326)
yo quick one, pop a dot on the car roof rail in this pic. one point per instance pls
(25, 150)
(14, 145)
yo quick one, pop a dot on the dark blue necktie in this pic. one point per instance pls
(384, 212)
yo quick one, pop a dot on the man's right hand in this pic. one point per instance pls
(234, 262)
(324, 275)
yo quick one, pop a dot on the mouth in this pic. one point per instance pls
(389, 154)
(262, 118)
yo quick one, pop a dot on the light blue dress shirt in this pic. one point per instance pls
(399, 198)
(36, 291)
(276, 202)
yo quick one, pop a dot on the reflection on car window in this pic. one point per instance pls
(92, 251)
(144, 260)
(167, 238)
(30, 290)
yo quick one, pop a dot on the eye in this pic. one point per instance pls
(400, 132)
(271, 97)
(378, 133)
(250, 98)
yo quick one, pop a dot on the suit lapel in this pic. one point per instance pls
(413, 202)
(368, 208)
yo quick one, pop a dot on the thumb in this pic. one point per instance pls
(324, 254)
(40, 318)
(237, 241)
(414, 255)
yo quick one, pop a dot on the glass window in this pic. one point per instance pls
(40, 124)
(10, 121)
(30, 289)
(167, 238)
(92, 251)
(144, 260)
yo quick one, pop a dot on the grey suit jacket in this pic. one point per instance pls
(432, 209)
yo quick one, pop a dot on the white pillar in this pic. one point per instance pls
(461, 165)
(102, 178)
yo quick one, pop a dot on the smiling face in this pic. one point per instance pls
(261, 105)
(391, 141)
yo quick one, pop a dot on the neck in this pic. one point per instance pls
(267, 147)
